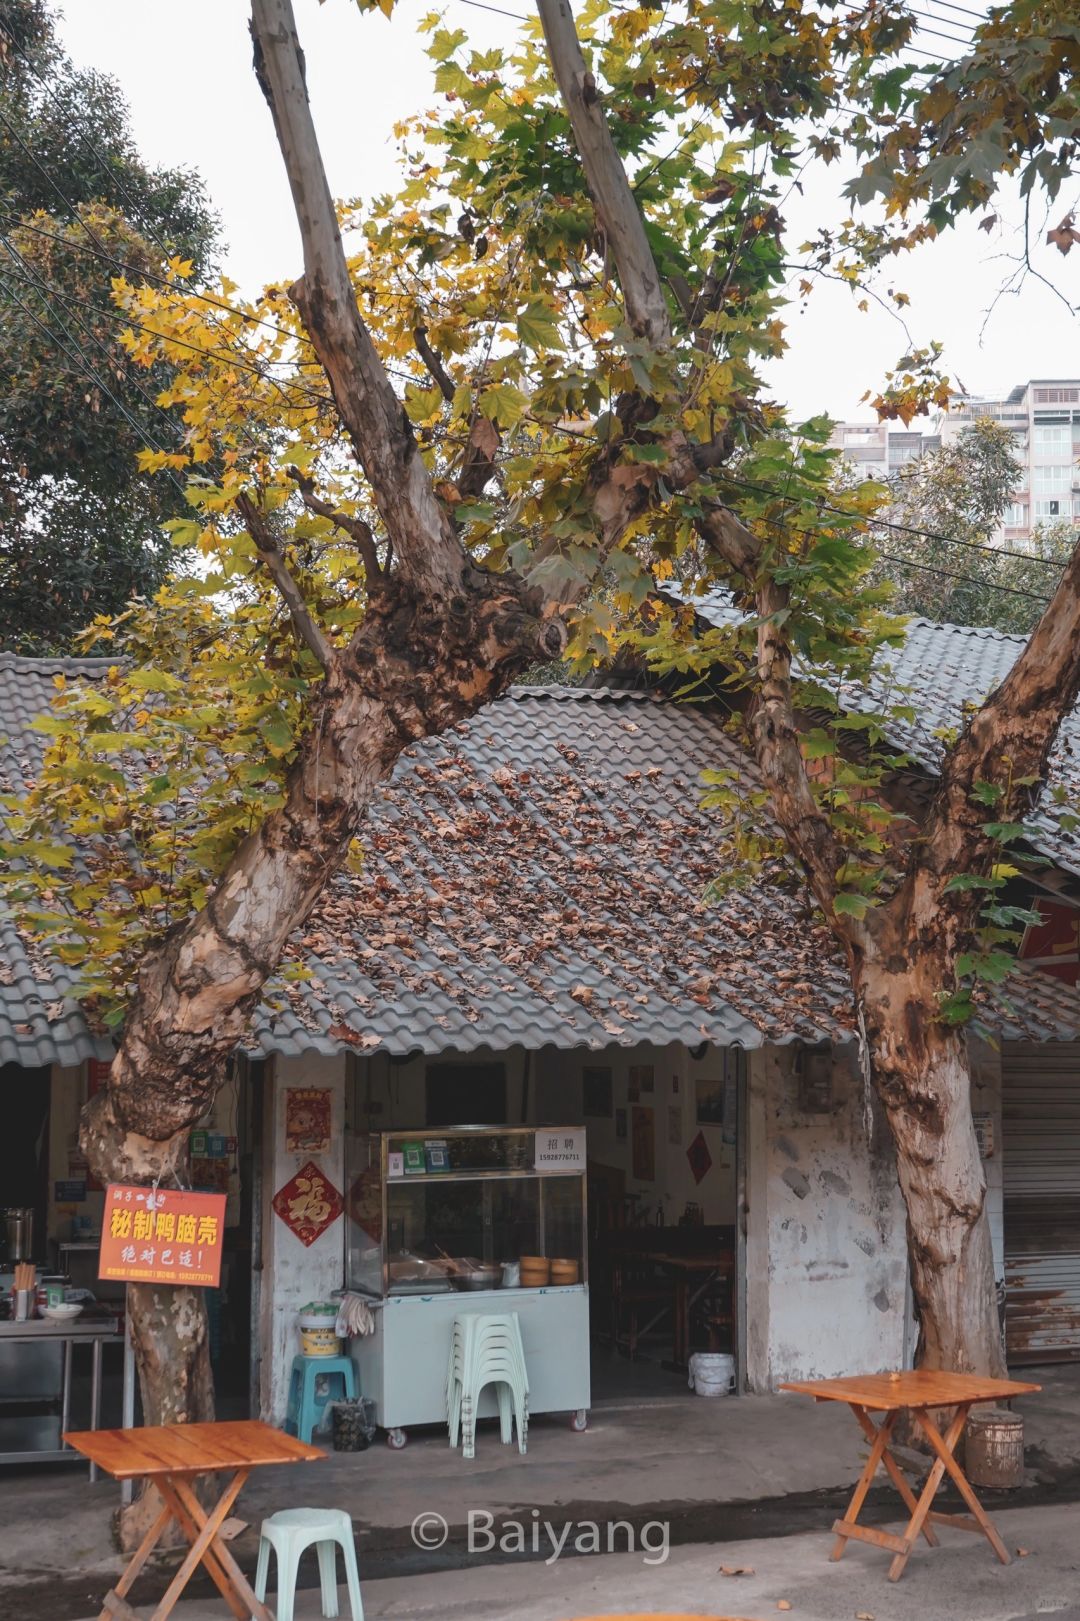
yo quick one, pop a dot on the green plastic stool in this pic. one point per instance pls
(306, 1411)
(292, 1531)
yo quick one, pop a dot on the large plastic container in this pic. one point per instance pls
(318, 1336)
(712, 1373)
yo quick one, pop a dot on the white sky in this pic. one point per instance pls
(186, 71)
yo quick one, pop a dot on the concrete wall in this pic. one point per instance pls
(826, 1266)
(294, 1273)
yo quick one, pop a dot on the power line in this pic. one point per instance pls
(88, 371)
(44, 288)
(111, 174)
(902, 528)
(965, 579)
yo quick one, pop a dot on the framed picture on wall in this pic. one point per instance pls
(643, 1144)
(596, 1091)
(620, 1124)
(709, 1090)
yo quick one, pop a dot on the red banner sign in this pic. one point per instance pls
(162, 1235)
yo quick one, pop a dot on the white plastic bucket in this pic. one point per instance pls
(318, 1335)
(712, 1373)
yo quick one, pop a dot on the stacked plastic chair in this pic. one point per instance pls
(486, 1349)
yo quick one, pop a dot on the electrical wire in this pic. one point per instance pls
(903, 528)
(87, 369)
(44, 288)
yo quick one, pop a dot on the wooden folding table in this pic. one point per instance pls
(918, 1392)
(172, 1456)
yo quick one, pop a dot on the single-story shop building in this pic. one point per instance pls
(532, 947)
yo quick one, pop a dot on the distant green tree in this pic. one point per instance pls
(80, 525)
(960, 493)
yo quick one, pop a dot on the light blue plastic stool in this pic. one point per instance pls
(306, 1411)
(289, 1533)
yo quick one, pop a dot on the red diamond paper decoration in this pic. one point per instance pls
(309, 1203)
(699, 1157)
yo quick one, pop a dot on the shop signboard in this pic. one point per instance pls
(161, 1235)
(559, 1151)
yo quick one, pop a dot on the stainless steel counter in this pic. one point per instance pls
(28, 1376)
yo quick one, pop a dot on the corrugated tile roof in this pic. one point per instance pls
(536, 876)
(939, 670)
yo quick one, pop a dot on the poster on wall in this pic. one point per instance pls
(307, 1119)
(709, 1090)
(643, 1143)
(161, 1235)
(642, 1079)
(674, 1125)
(596, 1090)
(308, 1203)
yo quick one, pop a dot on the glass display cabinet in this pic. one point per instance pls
(468, 1219)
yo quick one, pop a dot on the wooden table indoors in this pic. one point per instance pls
(171, 1456)
(891, 1394)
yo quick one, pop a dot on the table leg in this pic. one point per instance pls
(933, 1481)
(190, 1515)
(847, 1527)
(95, 1400)
(682, 1322)
(65, 1396)
(142, 1554)
(209, 1525)
(896, 1474)
(943, 1447)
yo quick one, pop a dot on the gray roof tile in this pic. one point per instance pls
(535, 877)
(939, 670)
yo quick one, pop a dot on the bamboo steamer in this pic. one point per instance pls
(535, 1271)
(564, 1271)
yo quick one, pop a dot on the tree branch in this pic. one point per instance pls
(434, 364)
(355, 528)
(616, 209)
(428, 550)
(273, 559)
(1010, 737)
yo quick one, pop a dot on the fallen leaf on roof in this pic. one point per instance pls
(1022, 1553)
(783, 1605)
(736, 1570)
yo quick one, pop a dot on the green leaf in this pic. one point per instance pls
(536, 327)
(849, 903)
(504, 404)
(987, 793)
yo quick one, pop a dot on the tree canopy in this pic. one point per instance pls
(80, 527)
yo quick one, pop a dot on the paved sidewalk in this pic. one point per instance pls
(717, 1472)
(960, 1581)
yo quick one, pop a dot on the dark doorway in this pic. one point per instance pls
(466, 1095)
(24, 1145)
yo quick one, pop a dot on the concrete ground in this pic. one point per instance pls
(716, 1472)
(960, 1581)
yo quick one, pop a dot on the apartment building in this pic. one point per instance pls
(1043, 416)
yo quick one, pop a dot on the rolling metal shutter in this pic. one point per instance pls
(1041, 1150)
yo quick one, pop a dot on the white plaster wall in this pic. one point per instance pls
(826, 1254)
(294, 1273)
